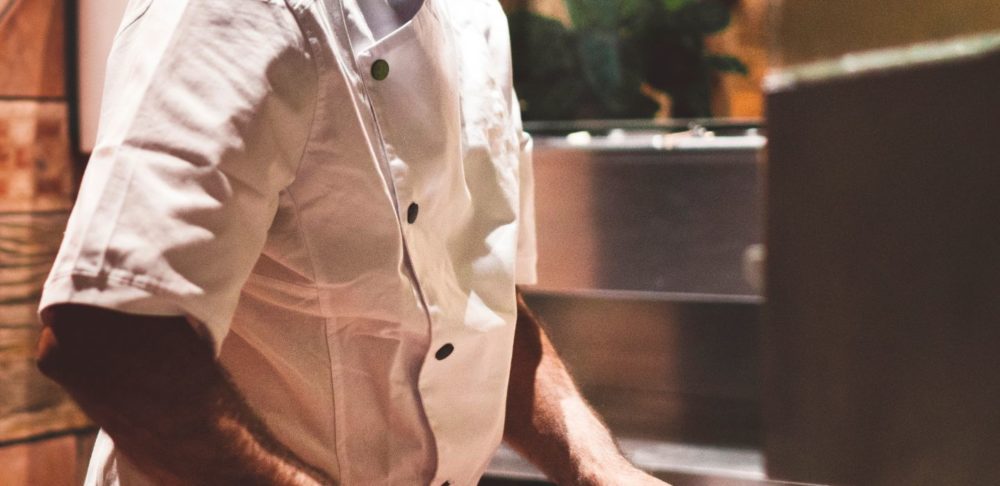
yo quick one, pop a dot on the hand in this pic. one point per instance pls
(639, 478)
(626, 476)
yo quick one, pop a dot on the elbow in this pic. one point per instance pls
(50, 358)
(61, 355)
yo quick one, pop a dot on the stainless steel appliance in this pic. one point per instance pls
(642, 230)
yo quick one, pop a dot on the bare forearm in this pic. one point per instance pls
(205, 437)
(551, 423)
(166, 403)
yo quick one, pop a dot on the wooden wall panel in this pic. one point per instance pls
(30, 404)
(36, 183)
(32, 49)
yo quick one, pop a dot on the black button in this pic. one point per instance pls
(411, 213)
(380, 69)
(444, 352)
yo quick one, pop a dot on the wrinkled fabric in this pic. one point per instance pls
(328, 232)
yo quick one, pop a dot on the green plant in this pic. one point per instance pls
(596, 68)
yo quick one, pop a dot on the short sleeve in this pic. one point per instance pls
(205, 115)
(527, 255)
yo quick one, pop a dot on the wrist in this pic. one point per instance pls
(618, 472)
(297, 477)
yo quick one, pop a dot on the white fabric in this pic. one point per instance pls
(252, 174)
(371, 20)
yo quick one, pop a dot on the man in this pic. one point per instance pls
(294, 254)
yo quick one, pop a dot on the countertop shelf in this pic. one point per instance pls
(680, 463)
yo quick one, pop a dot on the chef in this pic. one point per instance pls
(295, 251)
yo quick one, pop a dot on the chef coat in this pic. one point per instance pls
(342, 208)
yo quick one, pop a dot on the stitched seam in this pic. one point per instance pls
(121, 277)
(327, 317)
(320, 93)
(320, 98)
(156, 288)
(86, 233)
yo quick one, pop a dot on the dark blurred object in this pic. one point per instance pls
(883, 278)
(811, 30)
(546, 68)
(614, 52)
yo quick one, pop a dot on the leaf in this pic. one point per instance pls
(601, 63)
(541, 47)
(727, 64)
(629, 9)
(703, 17)
(675, 5)
(546, 68)
(597, 67)
(593, 14)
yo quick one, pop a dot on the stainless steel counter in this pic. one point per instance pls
(641, 238)
(627, 215)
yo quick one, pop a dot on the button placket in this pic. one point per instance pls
(410, 193)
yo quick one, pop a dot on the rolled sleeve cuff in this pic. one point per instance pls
(128, 293)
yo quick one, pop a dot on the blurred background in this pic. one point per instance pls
(768, 230)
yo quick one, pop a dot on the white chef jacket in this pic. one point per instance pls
(343, 214)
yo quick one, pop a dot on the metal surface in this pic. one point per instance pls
(680, 463)
(662, 368)
(641, 236)
(675, 377)
(646, 219)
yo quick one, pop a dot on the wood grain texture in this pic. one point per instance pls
(35, 181)
(36, 184)
(32, 48)
(30, 404)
